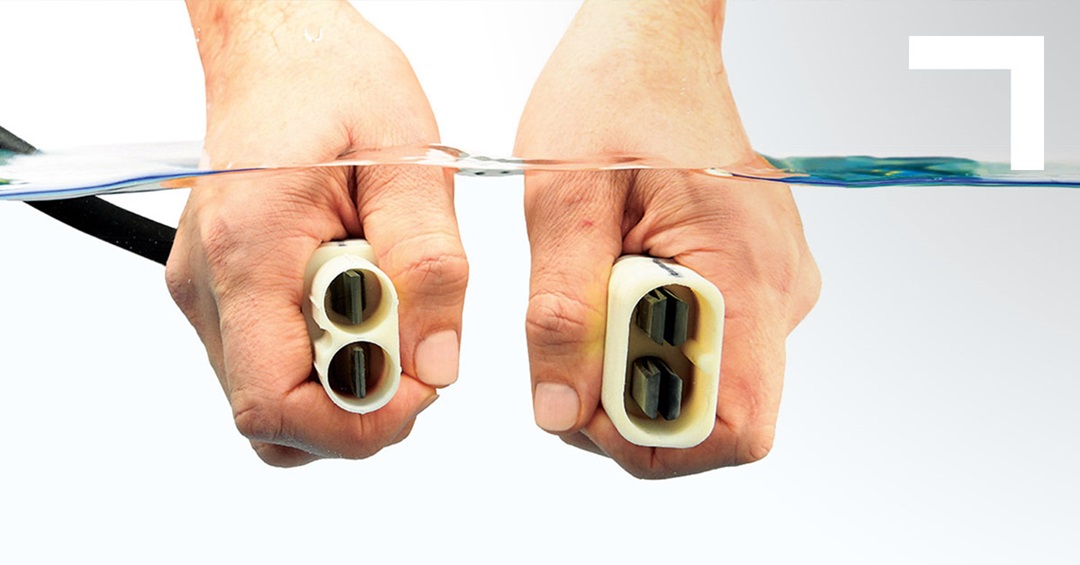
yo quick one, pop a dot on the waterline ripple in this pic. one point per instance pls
(147, 167)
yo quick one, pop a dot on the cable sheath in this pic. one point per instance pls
(103, 220)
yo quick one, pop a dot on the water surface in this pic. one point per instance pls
(146, 167)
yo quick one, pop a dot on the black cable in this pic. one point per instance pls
(10, 142)
(103, 220)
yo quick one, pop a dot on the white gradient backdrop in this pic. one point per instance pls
(929, 412)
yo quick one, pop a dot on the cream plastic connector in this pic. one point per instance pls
(351, 309)
(665, 330)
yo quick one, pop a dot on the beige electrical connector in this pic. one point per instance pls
(351, 309)
(665, 329)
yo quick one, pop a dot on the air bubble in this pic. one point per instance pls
(313, 37)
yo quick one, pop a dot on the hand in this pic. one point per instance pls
(305, 83)
(645, 79)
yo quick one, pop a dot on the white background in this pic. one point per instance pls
(929, 412)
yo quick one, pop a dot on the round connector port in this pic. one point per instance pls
(358, 370)
(353, 297)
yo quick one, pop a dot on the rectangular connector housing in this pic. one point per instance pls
(662, 352)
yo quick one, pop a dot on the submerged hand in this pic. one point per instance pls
(646, 79)
(303, 83)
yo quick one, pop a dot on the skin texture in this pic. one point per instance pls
(277, 95)
(647, 79)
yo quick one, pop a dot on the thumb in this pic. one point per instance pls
(574, 222)
(408, 217)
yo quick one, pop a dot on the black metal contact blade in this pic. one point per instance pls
(347, 296)
(645, 386)
(651, 315)
(348, 371)
(671, 386)
(358, 376)
(676, 319)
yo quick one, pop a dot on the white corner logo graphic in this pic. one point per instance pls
(1023, 56)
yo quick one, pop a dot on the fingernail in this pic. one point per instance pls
(555, 406)
(437, 359)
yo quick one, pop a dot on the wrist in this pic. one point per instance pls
(235, 37)
(647, 42)
(637, 78)
(658, 24)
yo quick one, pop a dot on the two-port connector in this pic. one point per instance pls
(351, 309)
(662, 346)
(665, 326)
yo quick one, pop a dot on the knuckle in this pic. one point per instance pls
(220, 237)
(784, 275)
(235, 250)
(811, 289)
(646, 473)
(790, 273)
(778, 269)
(650, 467)
(181, 287)
(255, 418)
(220, 240)
(755, 445)
(362, 452)
(446, 271)
(404, 434)
(556, 319)
(269, 455)
(434, 264)
(280, 456)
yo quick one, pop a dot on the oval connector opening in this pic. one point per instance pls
(660, 378)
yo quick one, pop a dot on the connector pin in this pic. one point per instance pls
(678, 318)
(645, 386)
(347, 296)
(651, 314)
(663, 316)
(670, 402)
(348, 371)
(656, 389)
